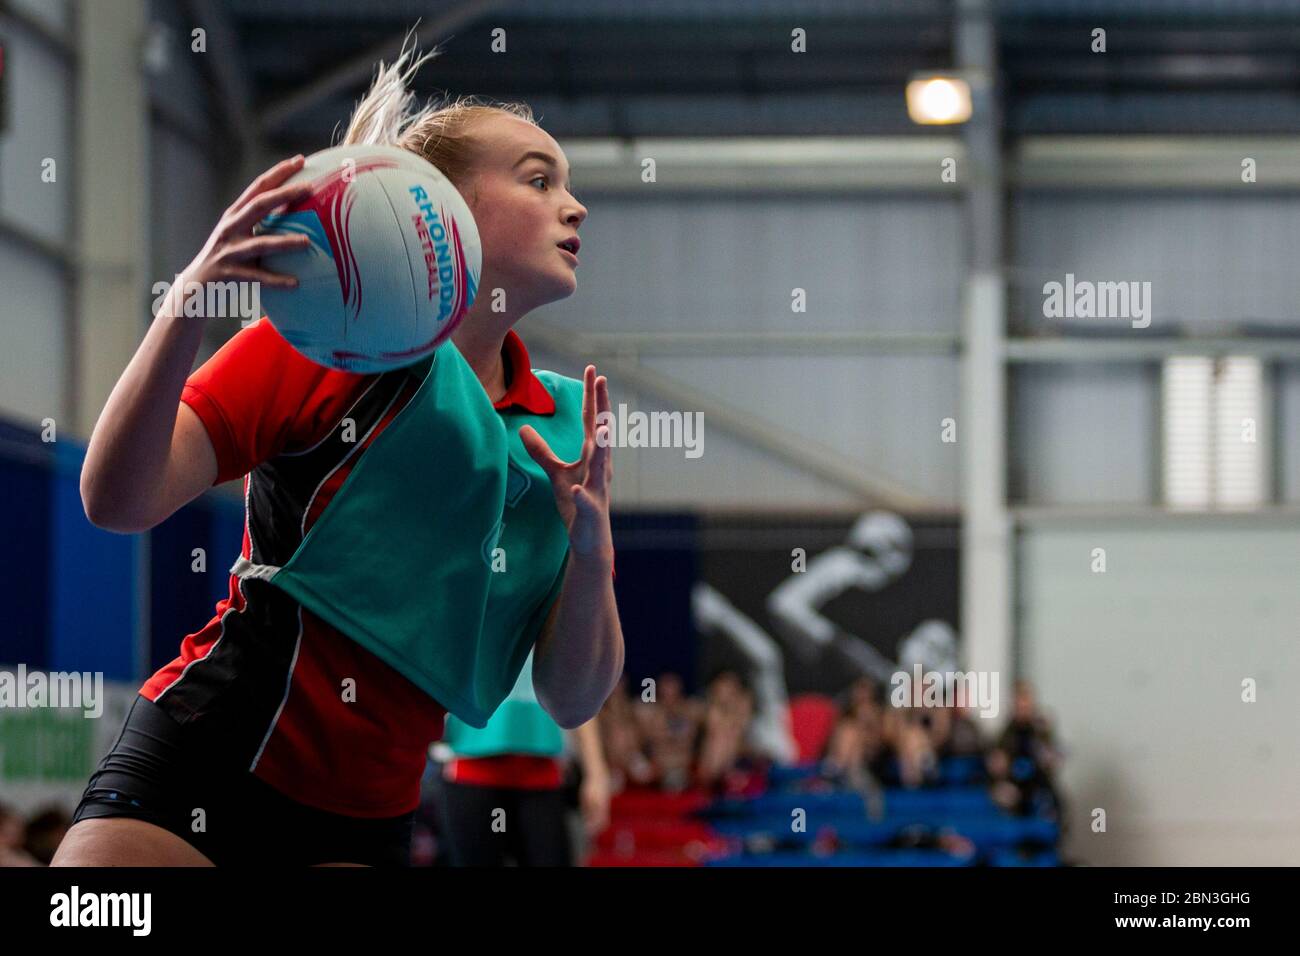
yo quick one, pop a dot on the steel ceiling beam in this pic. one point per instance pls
(360, 68)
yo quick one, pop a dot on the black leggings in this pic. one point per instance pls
(532, 831)
(166, 774)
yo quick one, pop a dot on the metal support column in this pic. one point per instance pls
(111, 226)
(986, 614)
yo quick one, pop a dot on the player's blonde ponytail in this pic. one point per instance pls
(439, 132)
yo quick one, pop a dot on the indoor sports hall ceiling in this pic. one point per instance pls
(724, 67)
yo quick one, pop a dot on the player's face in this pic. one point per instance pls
(524, 211)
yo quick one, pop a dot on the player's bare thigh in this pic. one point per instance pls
(123, 841)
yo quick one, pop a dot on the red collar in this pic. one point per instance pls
(524, 388)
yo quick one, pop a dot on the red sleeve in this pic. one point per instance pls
(258, 396)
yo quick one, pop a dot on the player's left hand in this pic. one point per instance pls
(582, 487)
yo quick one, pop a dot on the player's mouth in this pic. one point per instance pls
(570, 247)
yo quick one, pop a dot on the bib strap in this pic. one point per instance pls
(245, 569)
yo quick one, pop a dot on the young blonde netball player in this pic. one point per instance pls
(426, 529)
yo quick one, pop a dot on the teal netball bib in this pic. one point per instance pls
(519, 726)
(443, 550)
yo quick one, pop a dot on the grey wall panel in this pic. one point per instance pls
(186, 203)
(33, 315)
(180, 82)
(675, 263)
(53, 14)
(186, 200)
(40, 101)
(729, 474)
(1142, 668)
(188, 187)
(1211, 258)
(1082, 434)
(884, 412)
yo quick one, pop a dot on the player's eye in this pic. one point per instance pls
(536, 178)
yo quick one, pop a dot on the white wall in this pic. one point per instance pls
(1142, 669)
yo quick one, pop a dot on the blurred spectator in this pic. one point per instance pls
(595, 790)
(621, 735)
(12, 834)
(909, 730)
(963, 736)
(1022, 764)
(921, 738)
(726, 760)
(669, 727)
(861, 693)
(870, 747)
(1029, 734)
(857, 744)
(1005, 793)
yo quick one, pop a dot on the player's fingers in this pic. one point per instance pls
(261, 206)
(597, 479)
(588, 399)
(269, 180)
(246, 273)
(264, 245)
(585, 504)
(540, 451)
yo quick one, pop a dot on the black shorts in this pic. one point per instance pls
(169, 775)
(538, 835)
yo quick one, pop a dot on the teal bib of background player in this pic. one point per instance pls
(401, 560)
(519, 726)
